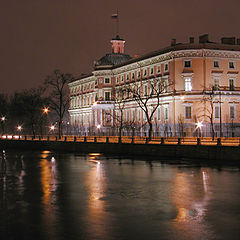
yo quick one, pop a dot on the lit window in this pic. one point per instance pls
(188, 112)
(188, 84)
(231, 65)
(216, 64)
(216, 112)
(159, 113)
(187, 64)
(232, 112)
(165, 85)
(165, 113)
(145, 90)
(139, 115)
(133, 114)
(216, 84)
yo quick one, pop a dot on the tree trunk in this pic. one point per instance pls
(150, 131)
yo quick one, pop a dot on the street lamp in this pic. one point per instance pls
(52, 128)
(45, 110)
(19, 129)
(3, 119)
(98, 127)
(199, 127)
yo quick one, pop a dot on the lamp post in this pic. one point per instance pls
(199, 128)
(98, 127)
(19, 129)
(3, 119)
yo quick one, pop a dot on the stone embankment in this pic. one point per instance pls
(158, 148)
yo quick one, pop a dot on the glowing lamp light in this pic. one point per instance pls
(199, 124)
(19, 128)
(52, 127)
(3, 118)
(98, 126)
(45, 110)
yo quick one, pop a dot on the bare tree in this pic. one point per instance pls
(26, 108)
(181, 125)
(119, 109)
(147, 94)
(206, 110)
(57, 85)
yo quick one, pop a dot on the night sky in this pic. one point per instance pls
(38, 36)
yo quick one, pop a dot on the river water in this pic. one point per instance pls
(47, 195)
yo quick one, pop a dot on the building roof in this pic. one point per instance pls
(112, 59)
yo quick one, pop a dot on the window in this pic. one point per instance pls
(127, 77)
(232, 112)
(139, 74)
(217, 112)
(159, 113)
(165, 85)
(231, 84)
(165, 113)
(122, 79)
(216, 64)
(133, 76)
(166, 67)
(188, 112)
(117, 80)
(151, 71)
(133, 114)
(107, 80)
(158, 69)
(216, 84)
(145, 90)
(145, 72)
(187, 63)
(231, 65)
(188, 84)
(107, 96)
(139, 115)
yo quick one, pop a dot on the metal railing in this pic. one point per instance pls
(224, 141)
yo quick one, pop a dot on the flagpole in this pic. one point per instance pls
(117, 23)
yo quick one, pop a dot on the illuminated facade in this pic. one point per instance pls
(205, 87)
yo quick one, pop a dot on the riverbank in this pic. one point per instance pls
(170, 151)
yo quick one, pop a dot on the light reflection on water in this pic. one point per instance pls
(46, 195)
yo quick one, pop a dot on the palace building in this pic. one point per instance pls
(200, 95)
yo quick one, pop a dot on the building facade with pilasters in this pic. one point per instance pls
(200, 95)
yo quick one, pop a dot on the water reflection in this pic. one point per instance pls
(46, 195)
(97, 217)
(49, 187)
(191, 197)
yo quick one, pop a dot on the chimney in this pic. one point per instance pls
(173, 42)
(191, 40)
(203, 38)
(228, 40)
(238, 41)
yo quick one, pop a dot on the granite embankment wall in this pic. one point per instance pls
(161, 151)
